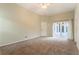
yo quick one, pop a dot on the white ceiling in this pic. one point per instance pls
(54, 8)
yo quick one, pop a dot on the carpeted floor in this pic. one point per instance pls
(41, 46)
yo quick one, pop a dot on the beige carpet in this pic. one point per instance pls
(41, 46)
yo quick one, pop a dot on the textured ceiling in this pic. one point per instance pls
(53, 8)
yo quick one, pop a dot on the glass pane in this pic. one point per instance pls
(59, 27)
(66, 29)
(63, 27)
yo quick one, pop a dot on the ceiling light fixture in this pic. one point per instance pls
(44, 5)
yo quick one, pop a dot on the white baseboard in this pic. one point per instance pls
(19, 41)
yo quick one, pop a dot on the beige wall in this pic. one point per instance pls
(16, 23)
(58, 17)
(63, 16)
(76, 25)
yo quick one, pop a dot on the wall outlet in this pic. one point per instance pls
(25, 36)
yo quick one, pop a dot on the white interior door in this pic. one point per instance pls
(43, 29)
